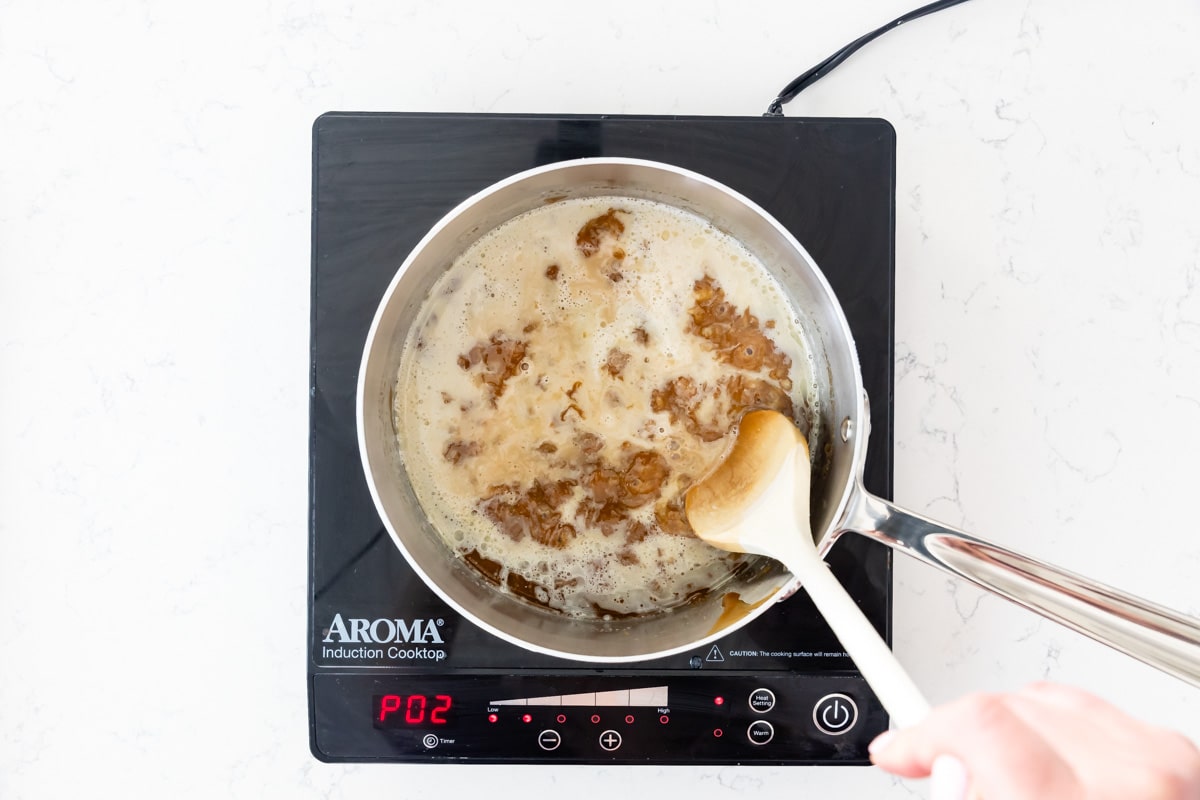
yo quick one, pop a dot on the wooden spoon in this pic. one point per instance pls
(757, 501)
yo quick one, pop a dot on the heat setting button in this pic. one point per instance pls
(762, 700)
(760, 732)
(835, 714)
(549, 739)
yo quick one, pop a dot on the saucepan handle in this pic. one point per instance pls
(1152, 633)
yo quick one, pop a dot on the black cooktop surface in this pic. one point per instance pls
(383, 648)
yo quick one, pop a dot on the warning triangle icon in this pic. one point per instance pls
(715, 654)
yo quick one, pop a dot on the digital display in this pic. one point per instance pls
(392, 711)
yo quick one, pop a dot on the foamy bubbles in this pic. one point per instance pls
(579, 367)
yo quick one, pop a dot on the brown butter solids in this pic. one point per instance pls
(595, 230)
(611, 492)
(499, 358)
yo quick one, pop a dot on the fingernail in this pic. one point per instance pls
(948, 779)
(880, 742)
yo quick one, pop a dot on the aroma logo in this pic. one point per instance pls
(384, 631)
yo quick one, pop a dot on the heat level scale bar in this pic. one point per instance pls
(652, 697)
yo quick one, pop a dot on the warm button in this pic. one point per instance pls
(760, 732)
(835, 714)
(762, 700)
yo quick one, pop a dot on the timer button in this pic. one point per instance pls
(835, 714)
(760, 732)
(762, 700)
(549, 740)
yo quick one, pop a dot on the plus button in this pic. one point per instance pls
(610, 740)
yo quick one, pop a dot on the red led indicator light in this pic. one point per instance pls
(718, 733)
(493, 718)
(664, 719)
(561, 718)
(629, 719)
(595, 719)
(526, 718)
(720, 701)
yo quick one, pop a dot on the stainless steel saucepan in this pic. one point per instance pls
(840, 504)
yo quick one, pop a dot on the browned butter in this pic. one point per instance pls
(569, 377)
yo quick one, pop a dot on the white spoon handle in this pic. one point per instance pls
(886, 676)
(758, 502)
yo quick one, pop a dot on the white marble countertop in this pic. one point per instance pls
(154, 279)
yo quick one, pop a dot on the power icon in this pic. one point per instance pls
(835, 714)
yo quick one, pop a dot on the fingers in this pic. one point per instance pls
(1114, 754)
(1079, 723)
(1045, 740)
(988, 737)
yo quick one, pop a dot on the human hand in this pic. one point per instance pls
(1044, 741)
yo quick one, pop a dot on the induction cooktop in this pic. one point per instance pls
(394, 674)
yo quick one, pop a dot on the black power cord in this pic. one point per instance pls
(819, 71)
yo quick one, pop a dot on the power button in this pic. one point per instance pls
(835, 714)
